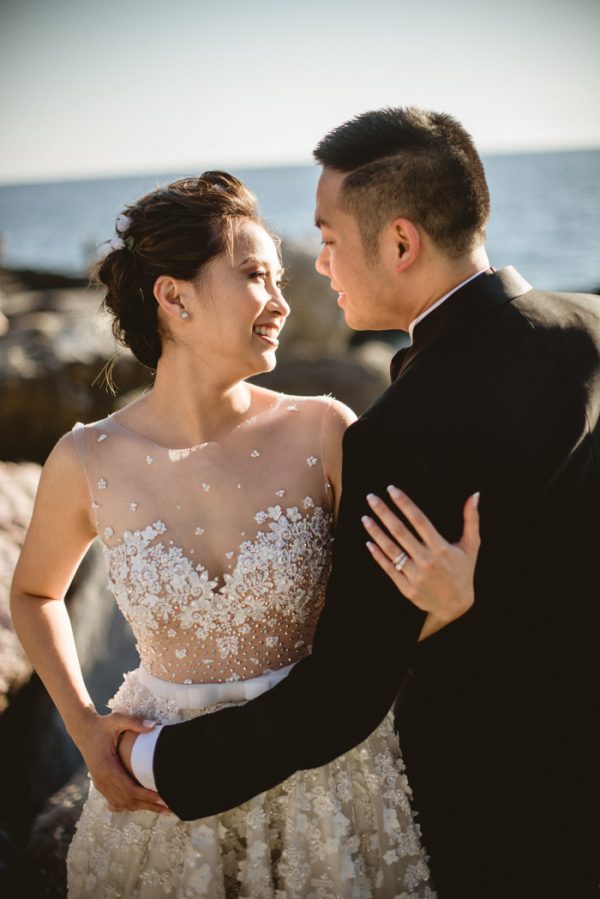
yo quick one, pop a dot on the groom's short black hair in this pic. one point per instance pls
(410, 163)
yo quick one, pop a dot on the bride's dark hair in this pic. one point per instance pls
(173, 231)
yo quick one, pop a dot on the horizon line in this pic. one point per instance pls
(95, 175)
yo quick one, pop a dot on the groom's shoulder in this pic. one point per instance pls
(550, 308)
(535, 331)
(568, 323)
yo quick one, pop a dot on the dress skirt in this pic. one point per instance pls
(342, 831)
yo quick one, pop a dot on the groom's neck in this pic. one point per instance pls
(438, 276)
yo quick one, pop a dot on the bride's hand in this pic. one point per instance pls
(435, 575)
(97, 740)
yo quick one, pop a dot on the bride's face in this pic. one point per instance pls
(240, 309)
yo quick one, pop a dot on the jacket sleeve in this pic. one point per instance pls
(334, 698)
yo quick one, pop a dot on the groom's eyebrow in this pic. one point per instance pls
(321, 223)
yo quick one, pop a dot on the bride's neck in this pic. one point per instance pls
(196, 406)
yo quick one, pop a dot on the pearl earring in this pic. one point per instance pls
(184, 314)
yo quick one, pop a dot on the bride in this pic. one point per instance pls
(214, 500)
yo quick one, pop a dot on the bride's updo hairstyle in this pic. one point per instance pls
(176, 231)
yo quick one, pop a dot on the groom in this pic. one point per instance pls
(500, 392)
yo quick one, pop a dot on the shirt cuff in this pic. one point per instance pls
(142, 756)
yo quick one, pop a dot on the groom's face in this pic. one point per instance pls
(362, 284)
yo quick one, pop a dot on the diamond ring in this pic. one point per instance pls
(400, 561)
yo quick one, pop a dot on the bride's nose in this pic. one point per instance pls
(278, 304)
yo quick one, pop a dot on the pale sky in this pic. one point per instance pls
(124, 86)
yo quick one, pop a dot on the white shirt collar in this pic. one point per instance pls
(441, 300)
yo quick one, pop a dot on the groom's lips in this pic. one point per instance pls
(340, 293)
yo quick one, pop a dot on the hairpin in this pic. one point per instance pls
(122, 241)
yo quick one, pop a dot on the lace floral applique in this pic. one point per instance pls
(281, 572)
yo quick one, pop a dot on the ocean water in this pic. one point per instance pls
(545, 215)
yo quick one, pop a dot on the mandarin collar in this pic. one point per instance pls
(475, 298)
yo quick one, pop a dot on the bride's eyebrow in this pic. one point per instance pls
(256, 260)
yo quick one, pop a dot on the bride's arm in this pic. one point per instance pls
(58, 537)
(437, 576)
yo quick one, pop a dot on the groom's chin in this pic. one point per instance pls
(352, 321)
(356, 323)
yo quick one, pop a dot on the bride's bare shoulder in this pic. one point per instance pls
(326, 407)
(316, 417)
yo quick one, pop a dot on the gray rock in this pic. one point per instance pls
(51, 836)
(316, 326)
(356, 379)
(34, 746)
(55, 348)
(18, 484)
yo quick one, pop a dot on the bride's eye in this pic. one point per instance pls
(282, 283)
(259, 273)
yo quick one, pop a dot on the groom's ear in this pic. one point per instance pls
(406, 242)
(399, 245)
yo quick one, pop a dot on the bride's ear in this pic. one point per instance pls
(170, 296)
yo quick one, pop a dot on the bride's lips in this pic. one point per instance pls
(268, 334)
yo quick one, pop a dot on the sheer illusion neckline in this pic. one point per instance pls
(187, 449)
(220, 563)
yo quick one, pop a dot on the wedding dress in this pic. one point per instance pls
(218, 556)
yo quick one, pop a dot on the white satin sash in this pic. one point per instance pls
(198, 696)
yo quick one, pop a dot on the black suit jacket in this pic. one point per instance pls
(498, 712)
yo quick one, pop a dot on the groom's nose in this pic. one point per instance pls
(322, 262)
